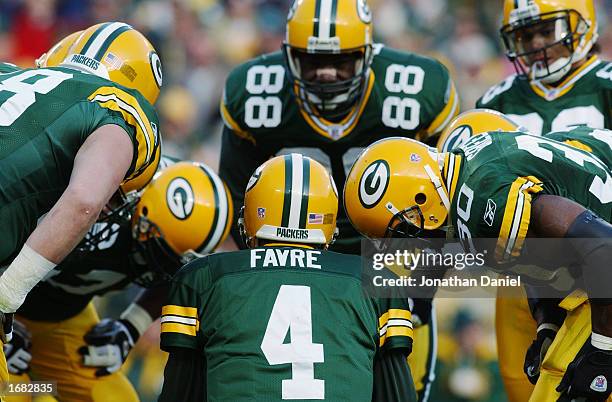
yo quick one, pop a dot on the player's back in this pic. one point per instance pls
(595, 141)
(499, 172)
(283, 323)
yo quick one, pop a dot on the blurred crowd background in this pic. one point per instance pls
(199, 42)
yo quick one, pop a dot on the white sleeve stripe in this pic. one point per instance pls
(178, 320)
(398, 322)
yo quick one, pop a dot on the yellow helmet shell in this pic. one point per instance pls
(118, 52)
(290, 199)
(188, 206)
(54, 56)
(329, 25)
(473, 122)
(390, 177)
(582, 19)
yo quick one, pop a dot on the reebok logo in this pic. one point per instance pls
(489, 215)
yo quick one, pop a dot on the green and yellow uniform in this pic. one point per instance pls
(492, 179)
(59, 311)
(279, 323)
(595, 141)
(406, 95)
(45, 117)
(583, 97)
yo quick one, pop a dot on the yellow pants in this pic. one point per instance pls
(4, 375)
(55, 358)
(423, 357)
(515, 330)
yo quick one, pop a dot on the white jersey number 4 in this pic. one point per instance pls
(292, 312)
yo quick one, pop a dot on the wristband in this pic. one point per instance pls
(138, 317)
(552, 327)
(26, 270)
(601, 342)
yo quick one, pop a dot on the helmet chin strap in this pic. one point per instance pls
(435, 179)
(562, 66)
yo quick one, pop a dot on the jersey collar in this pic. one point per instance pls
(332, 130)
(450, 172)
(551, 93)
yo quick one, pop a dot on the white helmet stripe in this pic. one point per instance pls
(325, 19)
(297, 182)
(102, 36)
(218, 227)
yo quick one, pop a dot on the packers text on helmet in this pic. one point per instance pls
(290, 199)
(118, 52)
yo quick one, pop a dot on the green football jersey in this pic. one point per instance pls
(596, 141)
(584, 97)
(278, 323)
(45, 116)
(406, 95)
(493, 176)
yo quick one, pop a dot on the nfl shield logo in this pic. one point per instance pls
(261, 213)
(599, 384)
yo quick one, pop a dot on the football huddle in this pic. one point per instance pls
(253, 275)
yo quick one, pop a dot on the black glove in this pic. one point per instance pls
(421, 311)
(17, 351)
(108, 344)
(6, 327)
(537, 351)
(588, 375)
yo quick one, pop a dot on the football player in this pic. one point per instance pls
(72, 137)
(541, 318)
(519, 179)
(560, 82)
(330, 92)
(185, 212)
(286, 319)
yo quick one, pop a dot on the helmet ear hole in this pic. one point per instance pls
(420, 198)
(145, 211)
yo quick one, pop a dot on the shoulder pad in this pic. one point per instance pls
(387, 55)
(604, 74)
(491, 97)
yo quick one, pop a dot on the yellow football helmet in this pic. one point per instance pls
(340, 32)
(474, 122)
(185, 212)
(118, 52)
(395, 188)
(573, 23)
(291, 199)
(54, 56)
